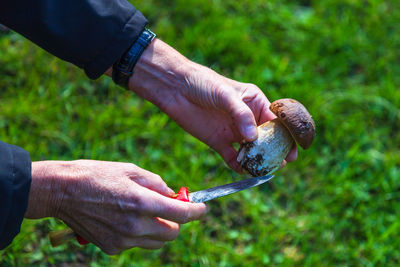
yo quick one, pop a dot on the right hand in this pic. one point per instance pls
(216, 110)
(114, 205)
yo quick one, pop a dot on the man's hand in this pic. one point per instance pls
(114, 205)
(216, 110)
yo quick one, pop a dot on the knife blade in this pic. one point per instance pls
(227, 189)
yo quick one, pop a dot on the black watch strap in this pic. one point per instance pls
(123, 68)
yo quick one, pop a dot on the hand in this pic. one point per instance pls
(216, 110)
(114, 205)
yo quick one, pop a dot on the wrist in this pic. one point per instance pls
(49, 180)
(161, 72)
(123, 68)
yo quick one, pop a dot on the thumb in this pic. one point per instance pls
(243, 118)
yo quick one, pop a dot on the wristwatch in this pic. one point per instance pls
(123, 68)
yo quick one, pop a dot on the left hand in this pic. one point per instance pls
(114, 205)
(216, 110)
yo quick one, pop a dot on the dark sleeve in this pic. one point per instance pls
(15, 182)
(91, 34)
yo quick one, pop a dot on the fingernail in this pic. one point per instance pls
(170, 191)
(207, 208)
(250, 132)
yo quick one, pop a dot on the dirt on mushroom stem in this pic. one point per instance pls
(265, 155)
(275, 138)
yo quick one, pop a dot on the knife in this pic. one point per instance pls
(220, 191)
(59, 237)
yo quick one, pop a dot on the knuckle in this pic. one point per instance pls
(243, 110)
(130, 166)
(251, 87)
(157, 177)
(129, 169)
(128, 227)
(140, 204)
(186, 215)
(158, 180)
(240, 112)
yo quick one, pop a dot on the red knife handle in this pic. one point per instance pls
(81, 240)
(182, 195)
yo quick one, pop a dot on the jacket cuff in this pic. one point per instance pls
(15, 182)
(119, 44)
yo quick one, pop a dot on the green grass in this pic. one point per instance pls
(337, 205)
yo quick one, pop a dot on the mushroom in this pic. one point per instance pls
(275, 138)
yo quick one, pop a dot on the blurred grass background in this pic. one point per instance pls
(337, 205)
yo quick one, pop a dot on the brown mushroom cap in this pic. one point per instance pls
(297, 120)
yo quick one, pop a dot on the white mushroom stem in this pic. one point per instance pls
(266, 154)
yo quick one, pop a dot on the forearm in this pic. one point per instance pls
(160, 73)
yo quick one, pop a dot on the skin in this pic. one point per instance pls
(114, 205)
(118, 206)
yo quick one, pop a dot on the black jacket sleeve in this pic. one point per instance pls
(91, 34)
(15, 182)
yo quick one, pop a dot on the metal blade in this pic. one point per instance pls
(227, 189)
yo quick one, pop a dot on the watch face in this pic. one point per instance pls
(152, 35)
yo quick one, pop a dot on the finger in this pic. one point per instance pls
(260, 106)
(148, 228)
(156, 205)
(148, 243)
(266, 114)
(292, 156)
(258, 103)
(141, 242)
(243, 117)
(283, 164)
(227, 151)
(160, 229)
(229, 154)
(151, 181)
